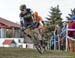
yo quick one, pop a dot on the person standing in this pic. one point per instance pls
(63, 38)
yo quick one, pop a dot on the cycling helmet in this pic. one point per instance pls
(22, 7)
(35, 14)
(73, 17)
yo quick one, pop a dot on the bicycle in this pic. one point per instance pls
(33, 35)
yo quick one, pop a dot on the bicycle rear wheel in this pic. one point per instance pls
(37, 43)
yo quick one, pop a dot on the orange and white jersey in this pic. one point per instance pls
(39, 18)
(41, 24)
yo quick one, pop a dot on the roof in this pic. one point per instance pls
(9, 24)
(8, 42)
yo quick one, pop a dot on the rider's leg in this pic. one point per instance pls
(23, 30)
(36, 31)
(22, 34)
(43, 37)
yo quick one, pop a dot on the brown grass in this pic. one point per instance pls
(30, 53)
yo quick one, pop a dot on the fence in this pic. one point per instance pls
(67, 38)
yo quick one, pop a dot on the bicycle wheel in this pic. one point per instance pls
(37, 43)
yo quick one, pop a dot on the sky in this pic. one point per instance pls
(9, 9)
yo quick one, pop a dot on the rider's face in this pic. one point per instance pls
(23, 11)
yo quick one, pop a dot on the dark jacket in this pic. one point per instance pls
(25, 19)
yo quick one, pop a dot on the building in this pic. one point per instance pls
(10, 35)
(9, 29)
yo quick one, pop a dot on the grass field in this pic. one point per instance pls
(30, 53)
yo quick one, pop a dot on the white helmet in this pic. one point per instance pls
(65, 20)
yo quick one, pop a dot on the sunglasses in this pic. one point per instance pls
(22, 9)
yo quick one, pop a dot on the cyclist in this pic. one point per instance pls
(39, 29)
(25, 18)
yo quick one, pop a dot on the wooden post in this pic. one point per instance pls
(67, 38)
(50, 44)
(18, 33)
(3, 33)
(13, 32)
(59, 42)
(54, 41)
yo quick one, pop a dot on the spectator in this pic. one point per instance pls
(63, 39)
(56, 33)
(72, 26)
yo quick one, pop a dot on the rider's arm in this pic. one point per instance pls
(22, 21)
